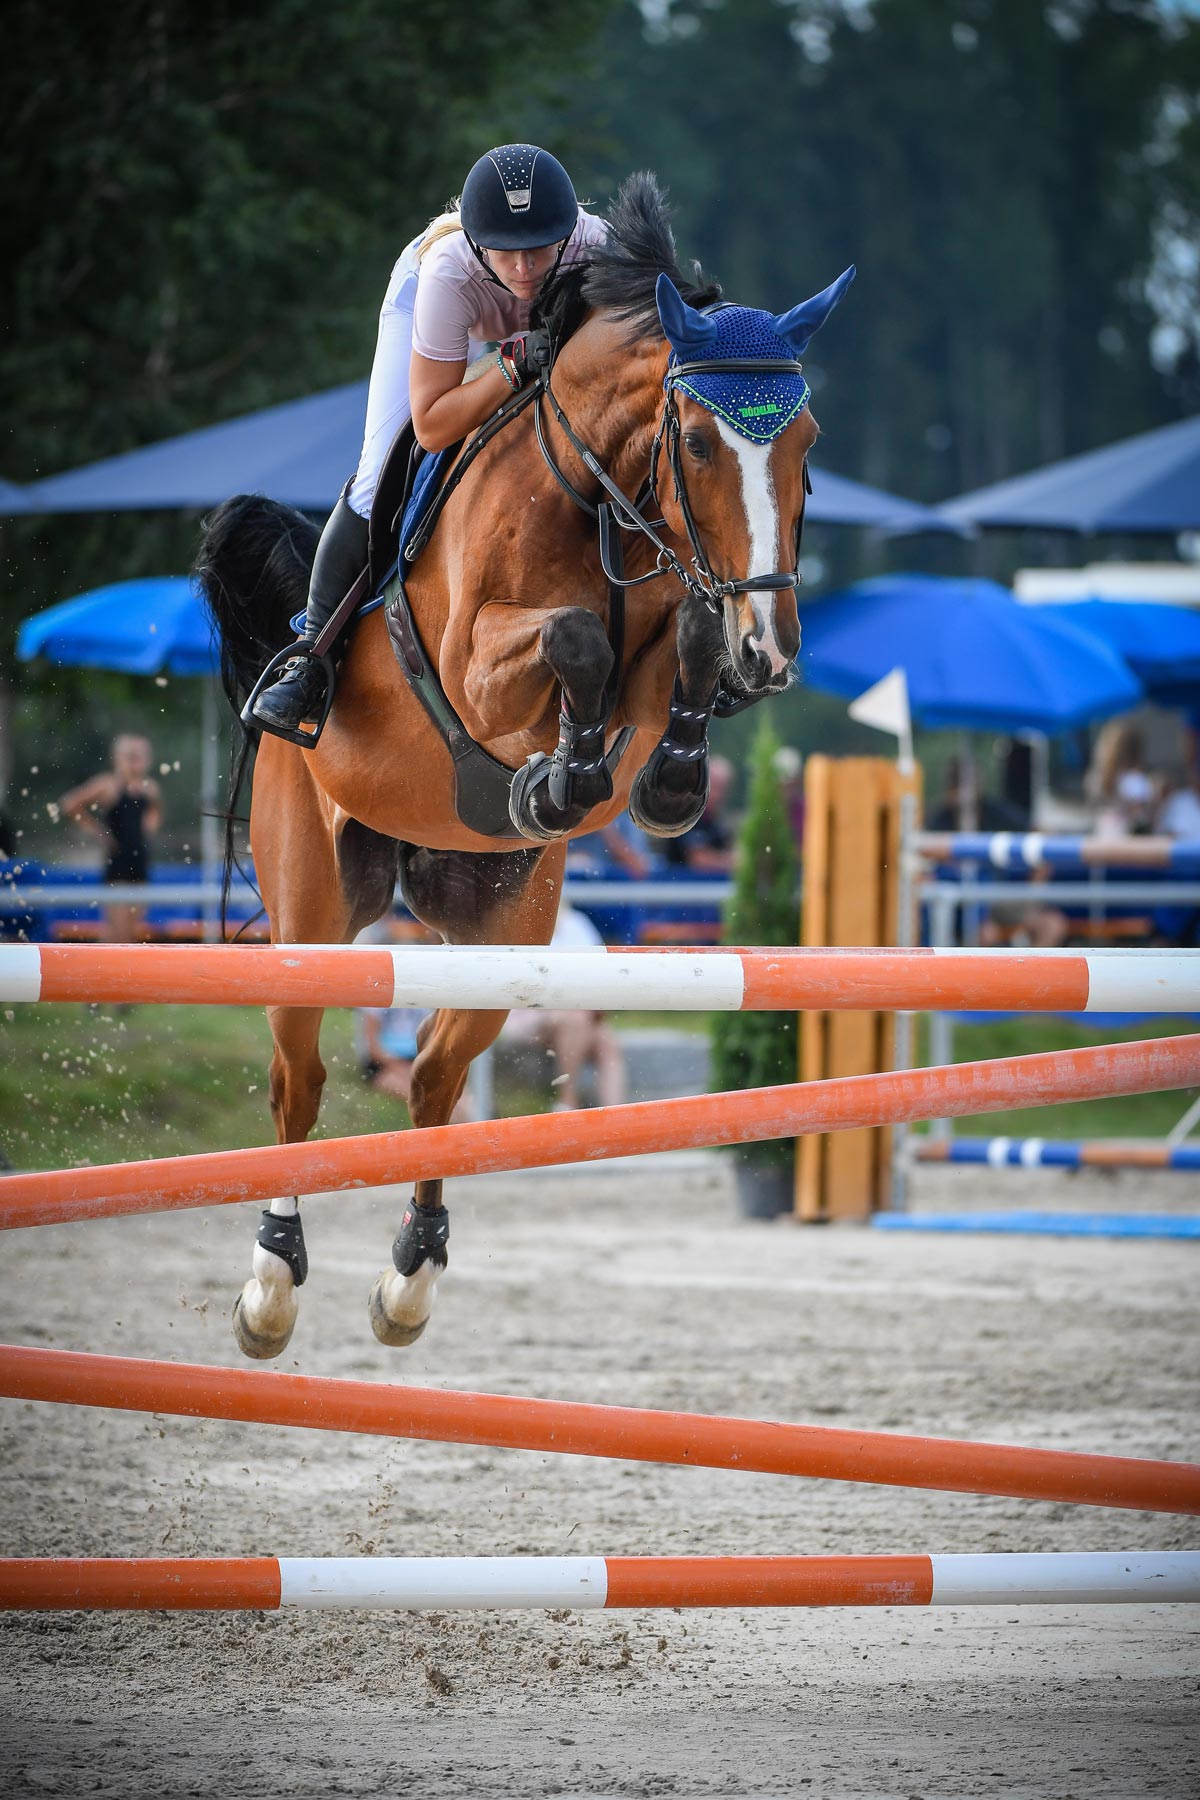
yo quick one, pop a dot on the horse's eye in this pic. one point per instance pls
(696, 444)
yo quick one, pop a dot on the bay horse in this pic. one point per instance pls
(511, 600)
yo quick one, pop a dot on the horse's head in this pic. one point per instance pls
(737, 433)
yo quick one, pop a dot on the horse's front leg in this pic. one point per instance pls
(670, 792)
(514, 650)
(509, 897)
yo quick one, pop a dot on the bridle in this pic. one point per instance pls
(699, 581)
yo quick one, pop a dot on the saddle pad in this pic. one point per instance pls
(426, 482)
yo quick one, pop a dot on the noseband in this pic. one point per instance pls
(699, 581)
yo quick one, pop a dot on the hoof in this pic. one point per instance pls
(264, 1317)
(400, 1305)
(648, 811)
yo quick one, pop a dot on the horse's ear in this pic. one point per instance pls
(799, 325)
(687, 331)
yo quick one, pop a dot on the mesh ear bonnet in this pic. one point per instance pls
(758, 404)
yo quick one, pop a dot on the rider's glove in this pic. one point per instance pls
(526, 356)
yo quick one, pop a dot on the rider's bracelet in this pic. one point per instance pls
(510, 375)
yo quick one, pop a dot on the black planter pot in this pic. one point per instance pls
(764, 1192)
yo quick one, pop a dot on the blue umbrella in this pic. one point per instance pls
(12, 497)
(973, 656)
(1146, 483)
(1160, 643)
(135, 627)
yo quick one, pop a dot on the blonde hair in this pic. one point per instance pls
(443, 226)
(1119, 749)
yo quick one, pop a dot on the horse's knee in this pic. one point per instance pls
(575, 645)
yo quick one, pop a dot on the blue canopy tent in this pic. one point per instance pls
(1160, 643)
(1148, 483)
(12, 497)
(302, 452)
(973, 656)
(149, 627)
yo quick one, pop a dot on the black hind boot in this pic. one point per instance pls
(304, 689)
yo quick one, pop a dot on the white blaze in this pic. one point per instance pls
(762, 524)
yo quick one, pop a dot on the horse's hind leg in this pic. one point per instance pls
(324, 878)
(506, 898)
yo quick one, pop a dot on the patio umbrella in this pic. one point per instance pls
(303, 451)
(1160, 643)
(973, 657)
(147, 627)
(1146, 483)
(12, 497)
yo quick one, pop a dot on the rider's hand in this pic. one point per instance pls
(525, 356)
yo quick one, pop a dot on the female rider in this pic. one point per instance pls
(467, 281)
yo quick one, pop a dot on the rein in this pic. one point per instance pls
(700, 581)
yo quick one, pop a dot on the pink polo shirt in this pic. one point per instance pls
(456, 301)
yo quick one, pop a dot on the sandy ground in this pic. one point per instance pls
(630, 1284)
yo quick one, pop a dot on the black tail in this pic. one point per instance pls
(253, 569)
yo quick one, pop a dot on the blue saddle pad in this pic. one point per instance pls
(425, 486)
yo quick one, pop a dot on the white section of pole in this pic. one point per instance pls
(418, 1583)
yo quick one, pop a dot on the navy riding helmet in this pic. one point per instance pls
(517, 197)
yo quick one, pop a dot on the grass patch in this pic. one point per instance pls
(78, 1086)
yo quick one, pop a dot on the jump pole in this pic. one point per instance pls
(570, 1428)
(545, 1140)
(1060, 1153)
(752, 980)
(592, 1583)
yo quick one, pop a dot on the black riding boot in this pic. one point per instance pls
(299, 693)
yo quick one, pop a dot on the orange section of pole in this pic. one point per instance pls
(769, 1581)
(913, 980)
(546, 1140)
(207, 974)
(118, 1584)
(559, 1427)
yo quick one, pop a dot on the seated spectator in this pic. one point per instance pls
(575, 1037)
(1118, 784)
(385, 1037)
(708, 848)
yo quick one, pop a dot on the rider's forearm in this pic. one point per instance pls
(452, 416)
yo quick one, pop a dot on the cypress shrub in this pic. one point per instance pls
(753, 1049)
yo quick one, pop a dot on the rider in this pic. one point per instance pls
(467, 281)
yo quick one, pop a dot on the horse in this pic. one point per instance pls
(512, 598)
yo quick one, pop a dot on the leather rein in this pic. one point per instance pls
(699, 580)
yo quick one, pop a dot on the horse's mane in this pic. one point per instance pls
(620, 274)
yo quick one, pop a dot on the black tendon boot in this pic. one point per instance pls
(299, 693)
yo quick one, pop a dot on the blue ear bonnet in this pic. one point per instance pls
(758, 404)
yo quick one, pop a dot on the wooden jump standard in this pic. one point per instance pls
(544, 1140)
(570, 1428)
(411, 1583)
(759, 980)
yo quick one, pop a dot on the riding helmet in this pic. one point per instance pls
(518, 197)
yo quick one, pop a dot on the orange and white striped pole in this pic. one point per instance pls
(572, 1428)
(590, 1583)
(545, 1140)
(712, 980)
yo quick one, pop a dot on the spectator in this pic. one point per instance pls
(574, 1037)
(1117, 782)
(121, 809)
(708, 847)
(386, 1036)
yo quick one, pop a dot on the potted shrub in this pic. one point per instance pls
(752, 1049)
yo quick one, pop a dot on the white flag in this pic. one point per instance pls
(885, 707)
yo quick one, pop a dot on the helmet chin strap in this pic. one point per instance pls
(492, 276)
